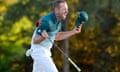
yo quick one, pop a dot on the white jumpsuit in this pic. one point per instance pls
(41, 56)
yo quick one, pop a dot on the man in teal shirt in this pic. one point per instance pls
(51, 26)
(45, 34)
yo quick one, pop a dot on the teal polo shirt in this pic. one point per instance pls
(52, 27)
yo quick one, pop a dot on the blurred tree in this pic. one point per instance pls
(17, 24)
(108, 21)
(99, 41)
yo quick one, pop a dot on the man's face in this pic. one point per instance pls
(63, 11)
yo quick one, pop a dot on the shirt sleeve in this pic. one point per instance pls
(43, 26)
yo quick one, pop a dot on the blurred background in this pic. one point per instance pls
(95, 49)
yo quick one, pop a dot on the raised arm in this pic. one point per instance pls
(64, 35)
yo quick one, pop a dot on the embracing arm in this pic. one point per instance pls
(41, 33)
(64, 35)
(39, 38)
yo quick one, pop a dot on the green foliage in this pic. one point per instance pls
(94, 49)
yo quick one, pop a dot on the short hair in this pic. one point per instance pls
(56, 4)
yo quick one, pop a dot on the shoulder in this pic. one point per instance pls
(50, 17)
(47, 17)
